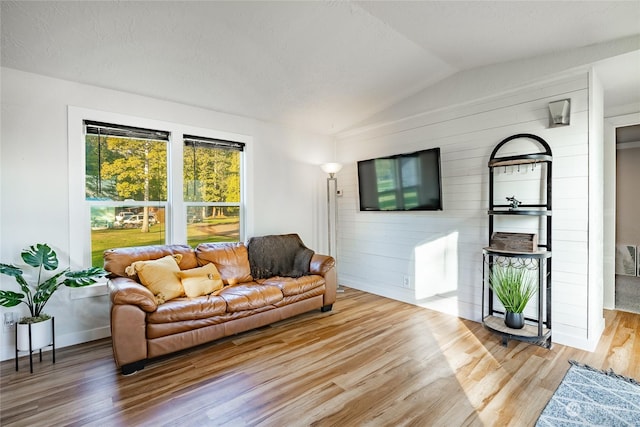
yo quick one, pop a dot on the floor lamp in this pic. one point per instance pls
(332, 209)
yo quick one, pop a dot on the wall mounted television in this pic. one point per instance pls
(402, 182)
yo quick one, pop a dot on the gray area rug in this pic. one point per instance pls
(590, 397)
(628, 293)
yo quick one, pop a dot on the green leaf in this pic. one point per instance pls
(41, 255)
(77, 279)
(514, 287)
(10, 299)
(10, 270)
(46, 289)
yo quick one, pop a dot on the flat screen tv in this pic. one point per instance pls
(403, 182)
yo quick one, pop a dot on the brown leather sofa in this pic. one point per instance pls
(142, 329)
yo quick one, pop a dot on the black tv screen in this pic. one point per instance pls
(403, 182)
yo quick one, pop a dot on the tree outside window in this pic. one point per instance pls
(211, 180)
(125, 186)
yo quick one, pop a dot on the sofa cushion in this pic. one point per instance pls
(295, 286)
(200, 280)
(117, 260)
(231, 260)
(159, 276)
(184, 309)
(250, 296)
(188, 327)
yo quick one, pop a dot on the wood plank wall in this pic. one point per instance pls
(440, 252)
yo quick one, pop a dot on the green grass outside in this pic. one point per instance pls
(218, 221)
(102, 240)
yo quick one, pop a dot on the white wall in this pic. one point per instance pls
(285, 185)
(628, 177)
(441, 251)
(595, 289)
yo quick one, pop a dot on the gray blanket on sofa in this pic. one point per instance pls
(278, 255)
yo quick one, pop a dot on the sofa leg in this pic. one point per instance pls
(132, 368)
(326, 308)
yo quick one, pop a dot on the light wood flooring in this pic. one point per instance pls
(371, 361)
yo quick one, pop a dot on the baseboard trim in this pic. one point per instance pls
(470, 312)
(82, 336)
(62, 341)
(576, 342)
(442, 304)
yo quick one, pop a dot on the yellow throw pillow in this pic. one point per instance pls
(200, 281)
(159, 276)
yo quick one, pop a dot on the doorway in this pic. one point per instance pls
(627, 240)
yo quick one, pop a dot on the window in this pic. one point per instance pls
(125, 186)
(143, 182)
(211, 181)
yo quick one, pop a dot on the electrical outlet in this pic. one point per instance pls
(10, 319)
(406, 281)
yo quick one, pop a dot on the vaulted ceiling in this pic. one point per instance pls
(320, 65)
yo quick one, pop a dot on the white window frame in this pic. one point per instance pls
(176, 226)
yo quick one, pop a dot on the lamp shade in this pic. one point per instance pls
(331, 167)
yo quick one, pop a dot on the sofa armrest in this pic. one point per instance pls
(324, 265)
(128, 335)
(126, 291)
(321, 264)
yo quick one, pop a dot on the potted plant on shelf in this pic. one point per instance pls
(514, 287)
(36, 295)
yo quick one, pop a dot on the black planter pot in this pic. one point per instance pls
(514, 320)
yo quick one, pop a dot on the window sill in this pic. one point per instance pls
(95, 290)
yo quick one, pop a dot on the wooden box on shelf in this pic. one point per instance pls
(517, 242)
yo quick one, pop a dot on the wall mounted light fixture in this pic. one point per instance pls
(559, 113)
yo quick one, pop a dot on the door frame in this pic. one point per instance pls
(609, 235)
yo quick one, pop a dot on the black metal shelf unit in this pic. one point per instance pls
(537, 328)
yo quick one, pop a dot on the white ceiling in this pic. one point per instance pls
(320, 65)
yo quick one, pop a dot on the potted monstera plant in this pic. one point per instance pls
(36, 295)
(514, 287)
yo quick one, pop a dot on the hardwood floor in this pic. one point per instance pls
(371, 361)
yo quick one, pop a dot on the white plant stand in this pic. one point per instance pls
(32, 339)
